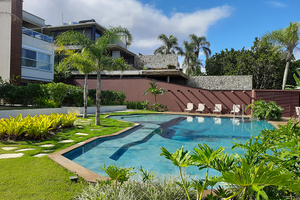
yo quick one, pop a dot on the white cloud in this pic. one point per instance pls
(276, 4)
(144, 21)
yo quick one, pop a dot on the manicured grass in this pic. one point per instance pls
(29, 177)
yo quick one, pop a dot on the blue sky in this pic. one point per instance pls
(226, 24)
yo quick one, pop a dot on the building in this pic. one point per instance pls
(93, 30)
(25, 52)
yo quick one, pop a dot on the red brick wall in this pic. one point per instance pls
(176, 101)
(16, 41)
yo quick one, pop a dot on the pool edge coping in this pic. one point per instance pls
(86, 174)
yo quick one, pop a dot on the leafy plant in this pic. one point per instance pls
(155, 90)
(266, 111)
(147, 176)
(180, 159)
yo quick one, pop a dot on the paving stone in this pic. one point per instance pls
(25, 149)
(79, 126)
(40, 155)
(9, 148)
(81, 134)
(49, 150)
(47, 145)
(66, 141)
(11, 155)
(95, 129)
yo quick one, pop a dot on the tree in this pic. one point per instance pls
(170, 45)
(154, 90)
(265, 65)
(99, 54)
(85, 65)
(200, 43)
(287, 39)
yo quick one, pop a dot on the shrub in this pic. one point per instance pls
(108, 97)
(74, 96)
(266, 111)
(137, 105)
(35, 127)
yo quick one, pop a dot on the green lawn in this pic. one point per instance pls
(29, 177)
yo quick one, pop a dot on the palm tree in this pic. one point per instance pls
(200, 43)
(191, 63)
(154, 90)
(287, 39)
(99, 54)
(170, 45)
(85, 65)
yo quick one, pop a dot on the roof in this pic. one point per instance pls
(73, 26)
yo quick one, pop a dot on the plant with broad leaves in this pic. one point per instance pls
(180, 159)
(147, 176)
(266, 111)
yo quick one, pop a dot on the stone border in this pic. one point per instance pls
(71, 166)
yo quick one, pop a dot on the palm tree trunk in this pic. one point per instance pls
(85, 96)
(286, 71)
(98, 100)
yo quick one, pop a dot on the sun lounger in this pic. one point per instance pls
(201, 107)
(190, 107)
(236, 108)
(218, 108)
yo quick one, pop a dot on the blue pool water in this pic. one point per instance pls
(141, 146)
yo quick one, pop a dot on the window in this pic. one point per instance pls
(36, 60)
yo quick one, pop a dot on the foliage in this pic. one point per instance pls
(266, 111)
(265, 65)
(284, 39)
(154, 90)
(108, 97)
(170, 45)
(137, 105)
(98, 53)
(35, 127)
(157, 107)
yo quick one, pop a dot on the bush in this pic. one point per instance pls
(74, 96)
(35, 127)
(266, 111)
(108, 97)
(137, 105)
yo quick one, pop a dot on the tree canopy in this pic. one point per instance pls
(170, 45)
(265, 65)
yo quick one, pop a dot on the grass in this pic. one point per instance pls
(29, 177)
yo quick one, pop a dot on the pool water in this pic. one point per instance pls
(141, 146)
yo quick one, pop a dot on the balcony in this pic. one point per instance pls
(37, 35)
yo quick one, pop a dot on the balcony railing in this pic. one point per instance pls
(37, 35)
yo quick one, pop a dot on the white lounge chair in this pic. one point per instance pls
(190, 107)
(218, 108)
(236, 108)
(297, 113)
(201, 107)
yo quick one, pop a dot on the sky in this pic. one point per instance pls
(224, 23)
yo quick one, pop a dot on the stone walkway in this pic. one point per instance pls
(43, 153)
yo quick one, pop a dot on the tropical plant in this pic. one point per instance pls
(98, 52)
(83, 62)
(147, 176)
(170, 45)
(266, 111)
(154, 90)
(189, 62)
(286, 39)
(180, 159)
(200, 43)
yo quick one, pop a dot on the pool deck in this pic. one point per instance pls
(92, 177)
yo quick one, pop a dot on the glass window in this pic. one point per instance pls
(44, 57)
(28, 54)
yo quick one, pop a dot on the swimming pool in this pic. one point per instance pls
(141, 146)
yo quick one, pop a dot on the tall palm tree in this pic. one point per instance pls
(99, 54)
(170, 45)
(85, 65)
(191, 63)
(287, 39)
(154, 90)
(200, 43)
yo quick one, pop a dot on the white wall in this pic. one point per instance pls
(5, 39)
